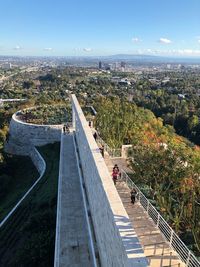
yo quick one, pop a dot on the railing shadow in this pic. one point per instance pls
(130, 240)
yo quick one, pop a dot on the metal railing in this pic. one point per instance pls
(174, 241)
(113, 152)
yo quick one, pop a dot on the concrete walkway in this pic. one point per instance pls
(155, 247)
(72, 247)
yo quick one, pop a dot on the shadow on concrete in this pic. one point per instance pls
(131, 243)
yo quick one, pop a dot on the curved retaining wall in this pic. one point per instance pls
(24, 136)
(38, 161)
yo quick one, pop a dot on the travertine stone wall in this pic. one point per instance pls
(125, 149)
(109, 241)
(24, 136)
(38, 161)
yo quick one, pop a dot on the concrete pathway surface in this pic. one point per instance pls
(72, 236)
(155, 247)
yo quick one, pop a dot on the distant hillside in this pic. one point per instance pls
(152, 59)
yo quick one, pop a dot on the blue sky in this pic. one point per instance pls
(100, 27)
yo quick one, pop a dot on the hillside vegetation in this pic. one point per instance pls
(47, 114)
(165, 165)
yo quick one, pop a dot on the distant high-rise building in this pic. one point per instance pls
(6, 66)
(123, 64)
(100, 65)
(107, 66)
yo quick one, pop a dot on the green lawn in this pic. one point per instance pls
(17, 177)
(28, 237)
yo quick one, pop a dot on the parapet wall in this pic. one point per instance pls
(96, 176)
(23, 136)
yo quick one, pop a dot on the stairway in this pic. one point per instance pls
(156, 249)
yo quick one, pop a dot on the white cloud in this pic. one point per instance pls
(165, 41)
(87, 49)
(48, 49)
(198, 41)
(17, 47)
(135, 40)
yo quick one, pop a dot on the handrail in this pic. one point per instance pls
(113, 152)
(174, 241)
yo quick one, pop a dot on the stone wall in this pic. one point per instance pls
(24, 136)
(96, 176)
(38, 161)
(22, 139)
(125, 149)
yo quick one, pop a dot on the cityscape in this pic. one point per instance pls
(100, 134)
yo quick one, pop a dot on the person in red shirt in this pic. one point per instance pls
(115, 173)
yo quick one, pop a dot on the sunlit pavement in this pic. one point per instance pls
(155, 247)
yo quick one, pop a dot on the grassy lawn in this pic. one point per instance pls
(20, 174)
(28, 237)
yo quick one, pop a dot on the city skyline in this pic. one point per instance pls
(63, 28)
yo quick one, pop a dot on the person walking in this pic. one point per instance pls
(133, 195)
(102, 150)
(115, 173)
(95, 136)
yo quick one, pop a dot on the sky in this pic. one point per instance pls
(100, 27)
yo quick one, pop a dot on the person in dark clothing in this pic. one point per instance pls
(66, 129)
(102, 150)
(95, 136)
(116, 168)
(133, 195)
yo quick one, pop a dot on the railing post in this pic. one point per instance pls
(139, 197)
(188, 258)
(148, 207)
(122, 175)
(127, 179)
(157, 224)
(171, 238)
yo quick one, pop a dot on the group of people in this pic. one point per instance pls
(115, 175)
(66, 129)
